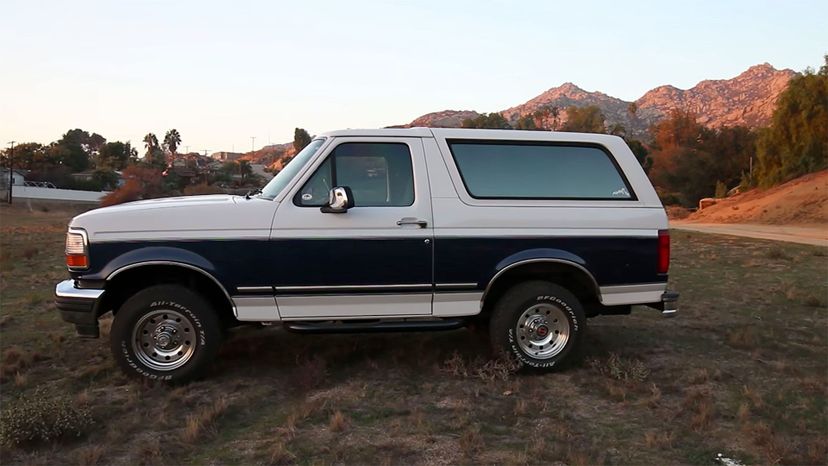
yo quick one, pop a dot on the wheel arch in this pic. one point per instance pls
(128, 279)
(561, 267)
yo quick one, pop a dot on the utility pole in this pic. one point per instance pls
(11, 170)
(252, 143)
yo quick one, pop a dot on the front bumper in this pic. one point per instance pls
(79, 306)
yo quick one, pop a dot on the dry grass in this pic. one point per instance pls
(279, 454)
(471, 442)
(200, 422)
(339, 422)
(89, 455)
(659, 439)
(741, 370)
(698, 404)
(743, 338)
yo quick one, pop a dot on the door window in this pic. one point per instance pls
(379, 175)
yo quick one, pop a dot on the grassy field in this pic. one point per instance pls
(742, 371)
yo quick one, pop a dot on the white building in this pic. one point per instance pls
(18, 176)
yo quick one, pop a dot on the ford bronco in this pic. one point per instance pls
(526, 233)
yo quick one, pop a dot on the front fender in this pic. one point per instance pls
(148, 254)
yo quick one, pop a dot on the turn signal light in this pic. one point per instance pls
(77, 261)
(76, 252)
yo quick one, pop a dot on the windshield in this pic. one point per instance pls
(278, 183)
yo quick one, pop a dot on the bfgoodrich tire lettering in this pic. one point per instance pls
(540, 324)
(166, 332)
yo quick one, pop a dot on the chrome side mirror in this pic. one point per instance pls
(340, 199)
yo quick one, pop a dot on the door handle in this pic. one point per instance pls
(412, 221)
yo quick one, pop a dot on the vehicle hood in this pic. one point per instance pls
(180, 218)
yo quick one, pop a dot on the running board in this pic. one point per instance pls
(374, 326)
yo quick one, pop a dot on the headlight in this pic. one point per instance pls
(77, 256)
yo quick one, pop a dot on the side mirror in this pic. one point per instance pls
(340, 199)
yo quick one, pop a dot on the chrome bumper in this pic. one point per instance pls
(669, 303)
(79, 306)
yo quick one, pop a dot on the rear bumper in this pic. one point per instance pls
(79, 306)
(668, 304)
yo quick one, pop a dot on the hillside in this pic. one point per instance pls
(803, 201)
(747, 99)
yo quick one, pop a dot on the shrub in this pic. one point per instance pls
(42, 418)
(139, 183)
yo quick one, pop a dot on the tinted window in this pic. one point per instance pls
(537, 171)
(379, 174)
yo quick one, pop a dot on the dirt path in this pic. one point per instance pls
(815, 235)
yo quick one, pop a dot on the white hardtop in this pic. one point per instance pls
(472, 133)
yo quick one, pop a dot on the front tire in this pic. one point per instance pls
(540, 324)
(166, 332)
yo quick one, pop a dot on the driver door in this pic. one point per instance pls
(373, 260)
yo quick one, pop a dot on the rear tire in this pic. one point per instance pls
(540, 324)
(166, 332)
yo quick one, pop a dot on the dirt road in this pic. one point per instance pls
(815, 235)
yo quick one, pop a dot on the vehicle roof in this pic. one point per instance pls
(471, 133)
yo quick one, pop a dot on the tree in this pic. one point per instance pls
(171, 141)
(526, 122)
(555, 112)
(587, 119)
(796, 142)
(115, 156)
(80, 147)
(245, 170)
(28, 155)
(492, 120)
(642, 154)
(154, 157)
(301, 138)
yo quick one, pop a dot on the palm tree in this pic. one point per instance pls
(151, 144)
(172, 140)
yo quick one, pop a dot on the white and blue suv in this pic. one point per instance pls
(527, 233)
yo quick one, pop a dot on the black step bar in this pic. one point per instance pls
(377, 326)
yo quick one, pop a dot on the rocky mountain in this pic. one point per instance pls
(747, 99)
(444, 119)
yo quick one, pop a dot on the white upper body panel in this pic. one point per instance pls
(180, 218)
(452, 211)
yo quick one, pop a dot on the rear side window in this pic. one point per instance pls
(519, 170)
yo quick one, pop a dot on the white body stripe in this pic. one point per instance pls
(632, 294)
(256, 308)
(457, 304)
(353, 306)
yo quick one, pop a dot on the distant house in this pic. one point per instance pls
(18, 177)
(226, 156)
(86, 175)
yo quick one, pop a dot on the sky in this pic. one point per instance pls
(223, 72)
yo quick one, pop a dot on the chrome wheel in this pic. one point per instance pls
(164, 340)
(542, 331)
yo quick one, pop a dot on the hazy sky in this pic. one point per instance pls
(221, 72)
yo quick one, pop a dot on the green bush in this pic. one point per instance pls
(42, 418)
